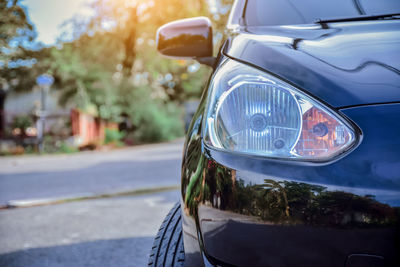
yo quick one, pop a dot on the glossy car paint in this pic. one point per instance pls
(253, 211)
(186, 38)
(340, 63)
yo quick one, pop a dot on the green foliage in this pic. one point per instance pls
(114, 136)
(54, 145)
(65, 148)
(158, 123)
(15, 28)
(83, 83)
(154, 121)
(16, 35)
(115, 72)
(22, 122)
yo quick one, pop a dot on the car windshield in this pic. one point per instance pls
(291, 12)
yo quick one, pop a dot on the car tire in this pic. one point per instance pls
(167, 248)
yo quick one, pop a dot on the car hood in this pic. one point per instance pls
(344, 64)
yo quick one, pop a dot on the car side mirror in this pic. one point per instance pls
(187, 38)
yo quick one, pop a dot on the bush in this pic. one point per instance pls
(55, 145)
(159, 123)
(65, 148)
(113, 136)
(22, 122)
(154, 120)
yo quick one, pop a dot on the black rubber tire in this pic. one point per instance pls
(168, 248)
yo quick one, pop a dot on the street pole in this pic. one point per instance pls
(44, 89)
(44, 81)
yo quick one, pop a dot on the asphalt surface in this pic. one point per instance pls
(112, 231)
(55, 176)
(103, 232)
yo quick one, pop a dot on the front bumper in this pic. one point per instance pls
(251, 211)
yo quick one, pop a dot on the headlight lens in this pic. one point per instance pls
(255, 113)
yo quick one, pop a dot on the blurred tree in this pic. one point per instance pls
(130, 40)
(124, 31)
(96, 63)
(85, 80)
(16, 34)
(134, 25)
(16, 31)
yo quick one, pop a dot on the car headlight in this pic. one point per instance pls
(256, 113)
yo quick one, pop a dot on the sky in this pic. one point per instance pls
(48, 15)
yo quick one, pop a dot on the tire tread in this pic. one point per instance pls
(167, 249)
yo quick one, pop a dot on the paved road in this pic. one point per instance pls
(52, 176)
(102, 232)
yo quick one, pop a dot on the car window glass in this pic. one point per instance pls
(270, 13)
(380, 6)
(290, 12)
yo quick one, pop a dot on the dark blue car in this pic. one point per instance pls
(293, 156)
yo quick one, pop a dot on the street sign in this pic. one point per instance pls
(44, 80)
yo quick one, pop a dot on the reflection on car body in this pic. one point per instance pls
(292, 157)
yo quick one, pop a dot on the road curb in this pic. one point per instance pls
(25, 203)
